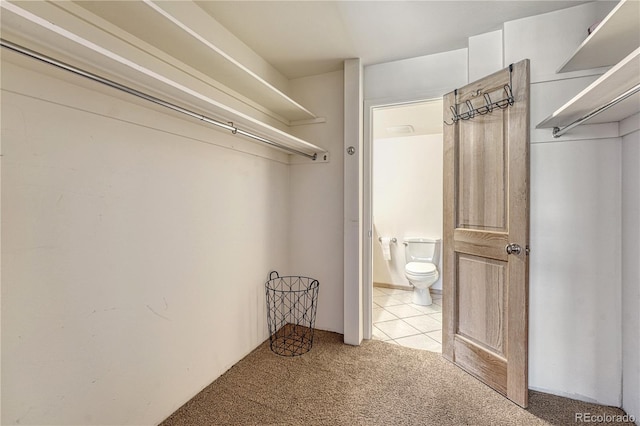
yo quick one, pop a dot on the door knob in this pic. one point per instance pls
(513, 248)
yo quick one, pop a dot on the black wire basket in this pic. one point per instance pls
(291, 313)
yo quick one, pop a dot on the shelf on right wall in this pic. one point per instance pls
(615, 42)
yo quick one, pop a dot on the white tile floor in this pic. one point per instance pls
(397, 320)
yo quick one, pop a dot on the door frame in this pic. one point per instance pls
(367, 194)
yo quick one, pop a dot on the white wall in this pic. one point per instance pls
(423, 77)
(631, 274)
(407, 199)
(317, 205)
(135, 250)
(485, 54)
(574, 280)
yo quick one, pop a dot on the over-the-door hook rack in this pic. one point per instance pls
(488, 106)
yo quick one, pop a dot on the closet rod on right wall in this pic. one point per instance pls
(614, 43)
(617, 91)
(559, 131)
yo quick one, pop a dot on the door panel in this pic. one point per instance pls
(481, 174)
(486, 203)
(491, 245)
(492, 370)
(481, 291)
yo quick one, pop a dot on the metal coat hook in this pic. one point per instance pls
(487, 108)
(454, 111)
(471, 112)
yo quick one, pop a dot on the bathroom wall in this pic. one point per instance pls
(575, 301)
(401, 81)
(407, 199)
(135, 249)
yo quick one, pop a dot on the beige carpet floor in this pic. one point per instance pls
(376, 383)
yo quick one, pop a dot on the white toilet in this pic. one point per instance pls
(422, 256)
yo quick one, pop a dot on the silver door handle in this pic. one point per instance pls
(513, 248)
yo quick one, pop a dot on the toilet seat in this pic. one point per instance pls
(423, 269)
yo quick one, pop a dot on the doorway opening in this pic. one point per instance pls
(405, 161)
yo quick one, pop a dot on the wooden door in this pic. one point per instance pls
(486, 231)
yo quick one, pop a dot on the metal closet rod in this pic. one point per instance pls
(228, 126)
(557, 131)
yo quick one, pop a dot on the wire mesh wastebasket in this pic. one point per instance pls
(291, 313)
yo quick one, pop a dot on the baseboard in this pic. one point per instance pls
(403, 287)
(394, 286)
(575, 396)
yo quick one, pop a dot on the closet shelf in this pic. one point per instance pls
(619, 79)
(190, 36)
(613, 39)
(616, 94)
(55, 33)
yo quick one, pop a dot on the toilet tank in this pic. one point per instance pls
(422, 250)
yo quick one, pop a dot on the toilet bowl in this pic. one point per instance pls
(421, 275)
(422, 256)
